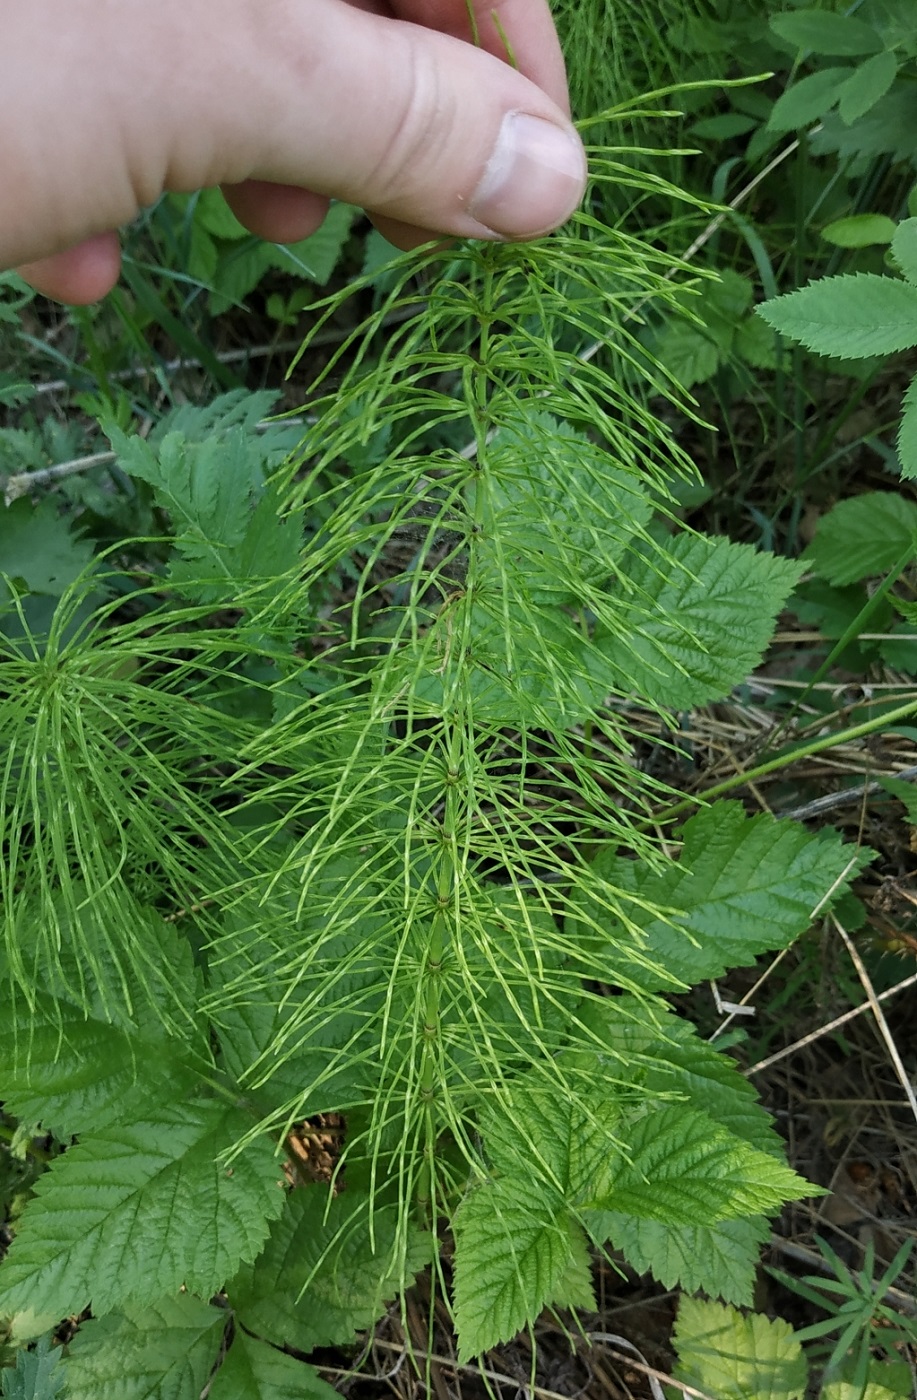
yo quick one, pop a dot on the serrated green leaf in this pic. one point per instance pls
(326, 1271)
(238, 408)
(507, 959)
(757, 344)
(907, 433)
(899, 649)
(40, 547)
(832, 609)
(742, 886)
(696, 622)
(725, 301)
(906, 793)
(808, 100)
(720, 1259)
(558, 507)
(689, 354)
(37, 1375)
(240, 267)
(851, 316)
(73, 1074)
(213, 214)
(860, 231)
(316, 257)
(255, 1371)
(208, 487)
(229, 526)
(269, 550)
(560, 1144)
(163, 1351)
(867, 85)
(735, 1357)
(532, 664)
(863, 536)
(889, 1380)
(884, 130)
(823, 32)
(682, 1168)
(904, 248)
(512, 1259)
(75, 1062)
(330, 1020)
(667, 1059)
(139, 1209)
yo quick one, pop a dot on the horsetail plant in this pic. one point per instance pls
(348, 814)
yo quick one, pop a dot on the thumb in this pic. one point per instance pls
(416, 125)
(325, 97)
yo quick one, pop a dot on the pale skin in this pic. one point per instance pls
(106, 104)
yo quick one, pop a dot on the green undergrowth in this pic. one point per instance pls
(325, 796)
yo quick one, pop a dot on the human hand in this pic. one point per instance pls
(283, 103)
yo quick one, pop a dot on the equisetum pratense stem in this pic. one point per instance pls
(457, 732)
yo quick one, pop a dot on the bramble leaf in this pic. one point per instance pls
(682, 1168)
(887, 1380)
(163, 1351)
(738, 1357)
(907, 433)
(315, 258)
(742, 886)
(906, 793)
(139, 1209)
(863, 536)
(666, 1060)
(326, 1271)
(560, 1143)
(523, 661)
(279, 1045)
(884, 129)
(255, 1371)
(37, 1375)
(851, 317)
(688, 352)
(720, 1259)
(74, 1060)
(558, 508)
(40, 547)
(513, 1258)
(73, 1074)
(696, 621)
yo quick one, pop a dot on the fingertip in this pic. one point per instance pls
(403, 237)
(80, 275)
(278, 213)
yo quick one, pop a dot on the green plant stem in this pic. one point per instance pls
(455, 738)
(436, 952)
(773, 765)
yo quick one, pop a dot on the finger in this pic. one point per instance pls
(417, 125)
(79, 275)
(403, 236)
(279, 213)
(526, 25)
(410, 123)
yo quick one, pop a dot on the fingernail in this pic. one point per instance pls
(534, 179)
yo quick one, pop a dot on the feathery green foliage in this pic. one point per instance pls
(276, 848)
